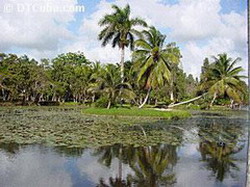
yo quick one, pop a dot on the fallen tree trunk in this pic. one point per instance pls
(186, 102)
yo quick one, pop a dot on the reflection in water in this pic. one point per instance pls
(69, 152)
(154, 166)
(11, 148)
(220, 151)
(151, 166)
(220, 142)
(107, 154)
(219, 158)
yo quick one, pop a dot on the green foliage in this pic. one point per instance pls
(152, 60)
(153, 75)
(120, 30)
(221, 78)
(102, 102)
(119, 27)
(222, 101)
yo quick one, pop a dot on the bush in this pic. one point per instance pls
(204, 103)
(168, 101)
(102, 102)
(222, 101)
(205, 106)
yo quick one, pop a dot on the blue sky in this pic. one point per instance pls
(201, 28)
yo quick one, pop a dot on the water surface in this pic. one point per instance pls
(212, 152)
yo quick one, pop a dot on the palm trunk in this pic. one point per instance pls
(93, 98)
(3, 93)
(232, 104)
(172, 95)
(172, 90)
(213, 100)
(109, 104)
(186, 102)
(122, 62)
(146, 98)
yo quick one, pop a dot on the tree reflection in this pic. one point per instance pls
(69, 152)
(11, 148)
(154, 166)
(219, 143)
(151, 166)
(124, 156)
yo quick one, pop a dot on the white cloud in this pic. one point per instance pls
(28, 29)
(193, 54)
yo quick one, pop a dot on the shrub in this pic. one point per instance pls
(102, 102)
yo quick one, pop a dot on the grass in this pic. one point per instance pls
(135, 112)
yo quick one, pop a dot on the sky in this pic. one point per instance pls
(201, 28)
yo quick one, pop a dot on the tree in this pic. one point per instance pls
(112, 88)
(119, 29)
(222, 78)
(70, 74)
(153, 60)
(176, 56)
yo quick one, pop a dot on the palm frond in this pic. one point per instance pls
(138, 22)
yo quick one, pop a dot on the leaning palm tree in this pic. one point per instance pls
(153, 60)
(119, 29)
(224, 79)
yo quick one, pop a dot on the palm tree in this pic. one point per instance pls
(112, 88)
(153, 60)
(97, 70)
(119, 29)
(224, 79)
(176, 55)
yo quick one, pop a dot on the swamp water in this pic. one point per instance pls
(51, 147)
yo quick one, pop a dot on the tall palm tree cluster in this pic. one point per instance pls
(151, 76)
(156, 63)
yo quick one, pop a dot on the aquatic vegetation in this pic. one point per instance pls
(64, 126)
(69, 127)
